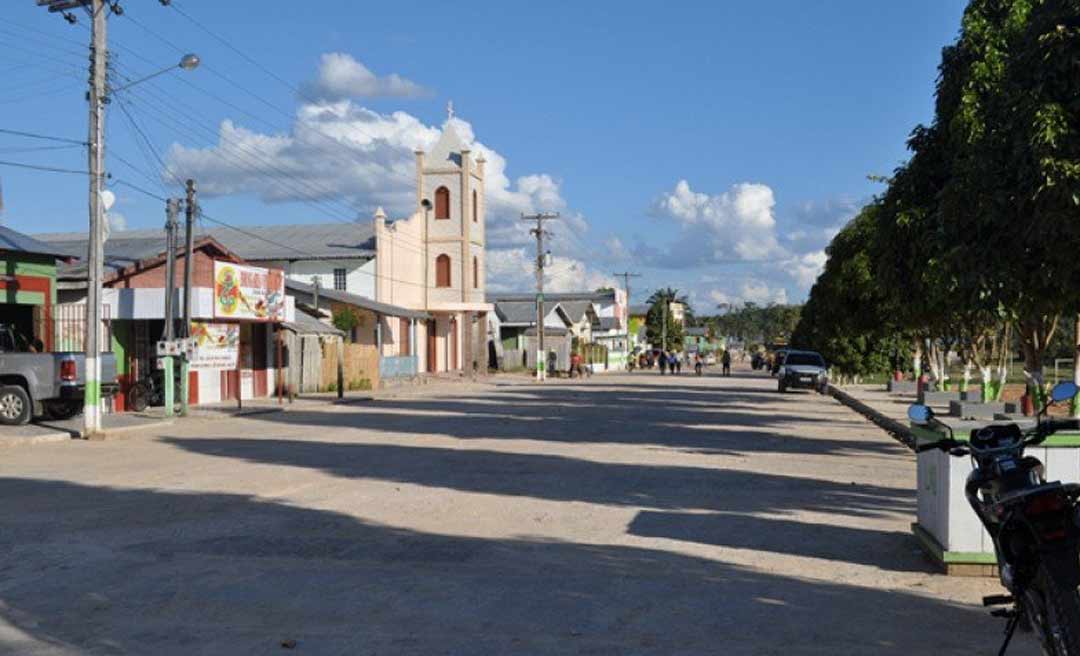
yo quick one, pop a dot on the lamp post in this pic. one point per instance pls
(188, 62)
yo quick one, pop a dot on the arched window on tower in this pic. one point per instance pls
(475, 272)
(442, 203)
(475, 207)
(442, 271)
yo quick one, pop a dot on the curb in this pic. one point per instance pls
(113, 433)
(897, 430)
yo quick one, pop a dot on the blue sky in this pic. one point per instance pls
(711, 146)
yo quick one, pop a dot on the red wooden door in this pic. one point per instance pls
(431, 346)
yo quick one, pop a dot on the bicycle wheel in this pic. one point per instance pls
(138, 396)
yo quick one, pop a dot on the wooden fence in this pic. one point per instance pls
(361, 366)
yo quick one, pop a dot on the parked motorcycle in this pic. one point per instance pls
(1035, 525)
(150, 391)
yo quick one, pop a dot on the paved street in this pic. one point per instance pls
(625, 514)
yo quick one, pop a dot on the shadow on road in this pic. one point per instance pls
(559, 478)
(106, 570)
(697, 420)
(888, 550)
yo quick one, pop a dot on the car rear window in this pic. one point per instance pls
(807, 359)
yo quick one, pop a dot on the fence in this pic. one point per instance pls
(67, 325)
(360, 365)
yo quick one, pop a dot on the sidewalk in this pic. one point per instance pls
(60, 431)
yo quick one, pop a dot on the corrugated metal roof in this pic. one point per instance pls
(14, 241)
(306, 324)
(518, 312)
(576, 310)
(299, 241)
(595, 297)
(306, 293)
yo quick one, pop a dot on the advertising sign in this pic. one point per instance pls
(247, 292)
(216, 345)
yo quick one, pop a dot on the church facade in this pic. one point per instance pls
(433, 261)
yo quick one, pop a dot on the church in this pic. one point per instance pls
(433, 262)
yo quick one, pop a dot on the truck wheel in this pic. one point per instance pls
(14, 405)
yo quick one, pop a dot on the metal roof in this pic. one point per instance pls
(576, 310)
(14, 241)
(609, 323)
(518, 312)
(306, 324)
(306, 293)
(697, 331)
(298, 241)
(639, 310)
(120, 253)
(595, 297)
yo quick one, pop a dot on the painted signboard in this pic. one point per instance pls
(216, 345)
(247, 292)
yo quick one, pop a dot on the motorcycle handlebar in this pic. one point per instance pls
(944, 445)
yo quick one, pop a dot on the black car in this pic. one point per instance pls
(802, 370)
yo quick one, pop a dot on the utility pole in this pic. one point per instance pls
(191, 210)
(172, 208)
(539, 232)
(97, 9)
(626, 276)
(97, 97)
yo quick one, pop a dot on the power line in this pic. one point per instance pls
(51, 169)
(34, 135)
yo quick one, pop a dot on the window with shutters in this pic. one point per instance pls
(475, 207)
(442, 203)
(442, 271)
(339, 279)
(475, 272)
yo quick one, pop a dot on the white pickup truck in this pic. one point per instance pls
(34, 384)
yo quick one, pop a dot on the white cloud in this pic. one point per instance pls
(341, 76)
(513, 269)
(738, 224)
(805, 269)
(751, 290)
(354, 157)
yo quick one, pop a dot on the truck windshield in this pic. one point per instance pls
(805, 359)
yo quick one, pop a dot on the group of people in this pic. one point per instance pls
(670, 361)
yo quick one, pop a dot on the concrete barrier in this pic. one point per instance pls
(902, 386)
(938, 398)
(966, 410)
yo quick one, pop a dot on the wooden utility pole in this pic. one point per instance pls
(98, 11)
(539, 232)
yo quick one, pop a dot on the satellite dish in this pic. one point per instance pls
(108, 199)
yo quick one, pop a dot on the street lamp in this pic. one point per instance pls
(188, 62)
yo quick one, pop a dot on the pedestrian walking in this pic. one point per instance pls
(725, 360)
(674, 363)
(663, 363)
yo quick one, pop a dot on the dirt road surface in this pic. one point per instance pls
(624, 514)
